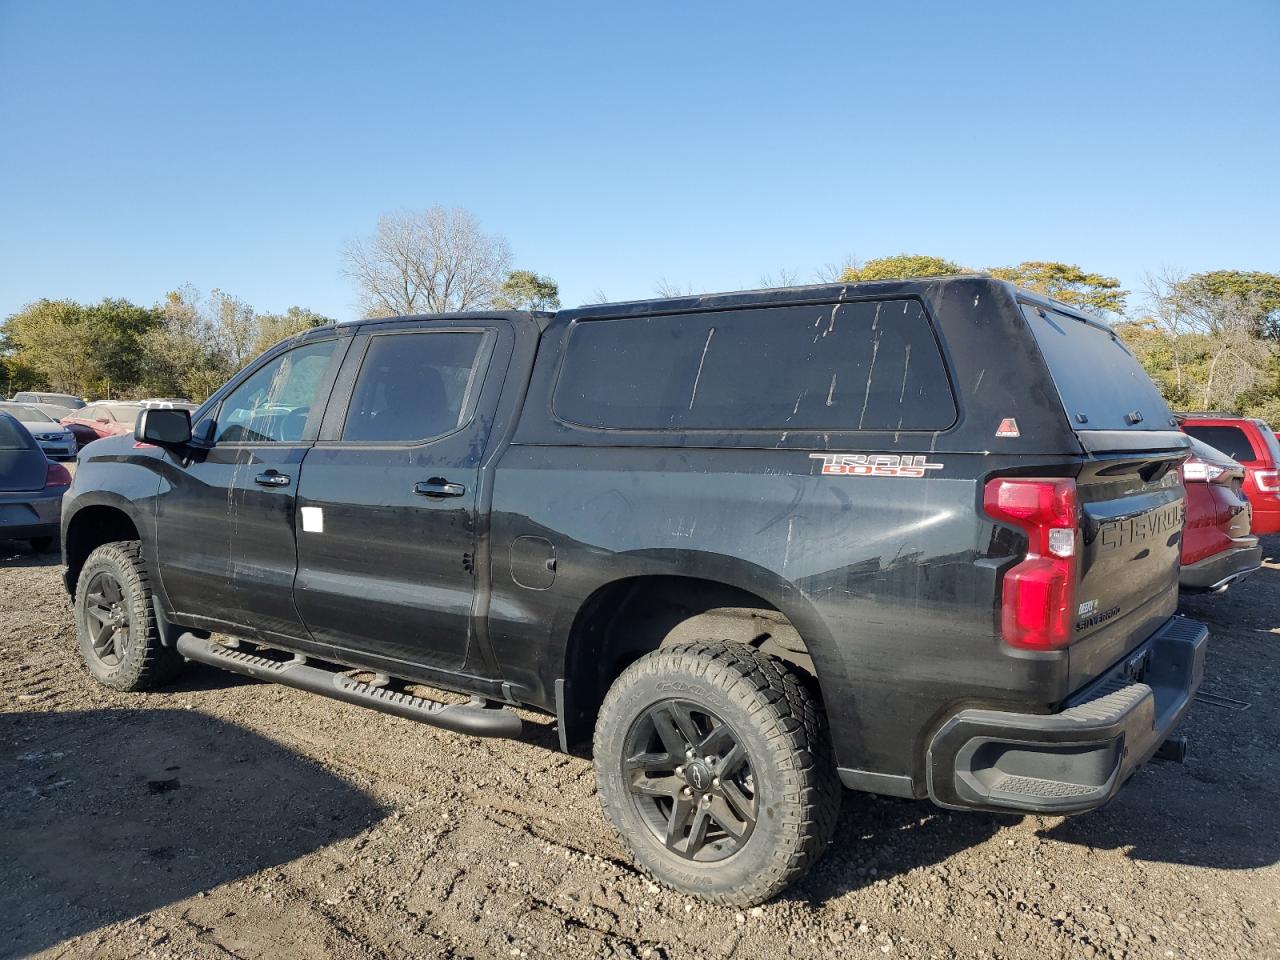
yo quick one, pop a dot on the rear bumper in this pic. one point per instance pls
(25, 516)
(1220, 570)
(1077, 759)
(1266, 514)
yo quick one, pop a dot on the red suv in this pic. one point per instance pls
(1253, 444)
(1217, 547)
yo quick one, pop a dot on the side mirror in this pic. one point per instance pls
(163, 427)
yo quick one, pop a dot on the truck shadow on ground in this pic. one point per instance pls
(112, 813)
(16, 553)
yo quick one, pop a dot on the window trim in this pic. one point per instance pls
(703, 432)
(471, 397)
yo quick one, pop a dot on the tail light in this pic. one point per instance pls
(1268, 481)
(1039, 593)
(58, 476)
(1195, 469)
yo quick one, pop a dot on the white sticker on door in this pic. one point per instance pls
(313, 519)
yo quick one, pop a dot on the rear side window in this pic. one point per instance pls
(869, 365)
(12, 436)
(1232, 441)
(1101, 384)
(413, 386)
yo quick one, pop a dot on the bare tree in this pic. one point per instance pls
(429, 261)
(668, 288)
(1216, 353)
(832, 272)
(782, 277)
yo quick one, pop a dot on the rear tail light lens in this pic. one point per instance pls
(1036, 611)
(1197, 470)
(1268, 481)
(58, 476)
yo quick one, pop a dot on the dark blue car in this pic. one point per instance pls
(31, 488)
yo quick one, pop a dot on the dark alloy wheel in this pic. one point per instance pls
(691, 780)
(714, 766)
(107, 616)
(116, 621)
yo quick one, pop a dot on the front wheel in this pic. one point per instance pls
(115, 622)
(715, 769)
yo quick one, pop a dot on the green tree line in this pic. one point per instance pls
(186, 345)
(1210, 340)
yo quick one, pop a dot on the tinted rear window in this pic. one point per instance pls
(412, 386)
(12, 436)
(870, 365)
(1096, 375)
(1232, 441)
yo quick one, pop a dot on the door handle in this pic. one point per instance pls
(271, 479)
(437, 488)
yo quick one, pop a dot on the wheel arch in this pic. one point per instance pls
(97, 519)
(626, 617)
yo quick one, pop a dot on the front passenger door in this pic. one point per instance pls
(225, 517)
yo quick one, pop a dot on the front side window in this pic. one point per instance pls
(273, 404)
(866, 365)
(413, 386)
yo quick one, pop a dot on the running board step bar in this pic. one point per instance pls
(476, 718)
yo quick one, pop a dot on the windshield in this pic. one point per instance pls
(27, 413)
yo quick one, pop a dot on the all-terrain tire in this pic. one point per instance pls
(781, 725)
(138, 661)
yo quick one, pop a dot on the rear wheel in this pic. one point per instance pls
(115, 622)
(714, 767)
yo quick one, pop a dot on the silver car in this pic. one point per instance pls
(57, 442)
(64, 400)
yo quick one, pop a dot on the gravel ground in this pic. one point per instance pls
(222, 818)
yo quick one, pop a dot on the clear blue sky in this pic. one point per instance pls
(238, 145)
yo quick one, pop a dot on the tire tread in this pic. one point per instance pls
(791, 717)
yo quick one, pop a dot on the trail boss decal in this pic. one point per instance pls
(873, 464)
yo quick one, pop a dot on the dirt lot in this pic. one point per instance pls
(233, 819)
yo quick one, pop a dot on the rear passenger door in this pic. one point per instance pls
(387, 504)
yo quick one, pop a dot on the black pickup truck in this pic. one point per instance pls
(918, 538)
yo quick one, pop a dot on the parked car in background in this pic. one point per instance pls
(1253, 444)
(31, 488)
(171, 403)
(105, 418)
(64, 401)
(58, 442)
(1217, 547)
